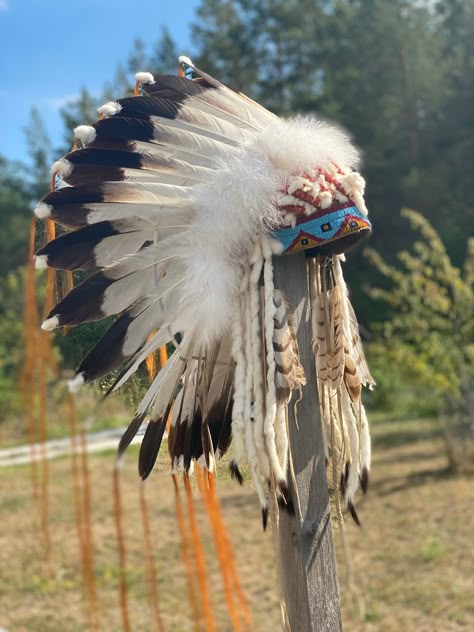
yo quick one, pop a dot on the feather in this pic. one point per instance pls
(130, 433)
(65, 204)
(164, 395)
(289, 372)
(351, 378)
(95, 164)
(250, 112)
(113, 290)
(358, 351)
(127, 335)
(336, 338)
(103, 244)
(320, 341)
(168, 137)
(150, 446)
(183, 117)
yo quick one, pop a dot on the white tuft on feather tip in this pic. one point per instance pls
(42, 211)
(110, 108)
(75, 384)
(182, 59)
(50, 323)
(63, 167)
(144, 77)
(41, 262)
(85, 133)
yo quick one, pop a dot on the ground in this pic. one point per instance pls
(411, 560)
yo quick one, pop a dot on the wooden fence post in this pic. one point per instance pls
(308, 565)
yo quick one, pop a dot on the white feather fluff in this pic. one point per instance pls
(43, 211)
(232, 207)
(85, 133)
(304, 143)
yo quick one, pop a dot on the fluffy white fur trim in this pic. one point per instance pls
(85, 133)
(303, 143)
(75, 384)
(50, 323)
(110, 108)
(42, 211)
(232, 208)
(144, 77)
(63, 167)
(41, 262)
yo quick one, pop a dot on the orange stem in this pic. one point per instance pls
(229, 554)
(200, 561)
(87, 531)
(28, 377)
(185, 553)
(121, 551)
(150, 561)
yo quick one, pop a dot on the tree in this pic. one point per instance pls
(431, 328)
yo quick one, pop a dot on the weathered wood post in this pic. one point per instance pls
(309, 576)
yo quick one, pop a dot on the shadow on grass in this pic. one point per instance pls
(415, 479)
(402, 436)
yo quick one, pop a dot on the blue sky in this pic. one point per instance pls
(50, 49)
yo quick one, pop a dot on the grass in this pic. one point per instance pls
(411, 559)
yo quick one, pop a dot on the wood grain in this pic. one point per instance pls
(309, 576)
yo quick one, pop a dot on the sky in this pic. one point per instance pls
(50, 49)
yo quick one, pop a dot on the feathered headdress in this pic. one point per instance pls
(181, 196)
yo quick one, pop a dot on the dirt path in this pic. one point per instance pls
(55, 448)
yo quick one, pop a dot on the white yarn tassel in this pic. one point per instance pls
(249, 438)
(238, 335)
(258, 414)
(271, 401)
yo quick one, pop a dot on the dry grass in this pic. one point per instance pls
(412, 559)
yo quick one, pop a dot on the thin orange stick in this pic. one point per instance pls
(87, 531)
(229, 554)
(163, 356)
(28, 377)
(200, 561)
(186, 555)
(151, 364)
(123, 596)
(78, 511)
(43, 432)
(150, 561)
(221, 548)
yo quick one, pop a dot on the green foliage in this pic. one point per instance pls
(431, 330)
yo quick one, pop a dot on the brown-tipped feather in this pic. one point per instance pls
(289, 372)
(358, 351)
(130, 433)
(354, 515)
(351, 379)
(264, 518)
(364, 480)
(235, 473)
(150, 446)
(336, 337)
